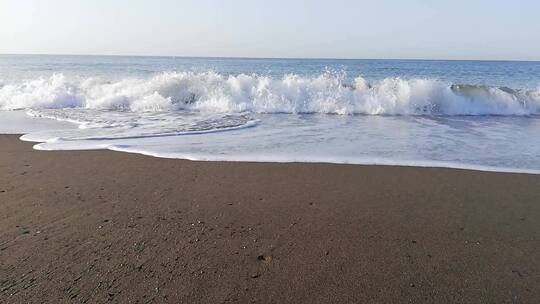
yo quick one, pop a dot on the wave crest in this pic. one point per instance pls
(329, 93)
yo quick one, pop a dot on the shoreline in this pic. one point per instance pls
(30, 126)
(98, 226)
(382, 162)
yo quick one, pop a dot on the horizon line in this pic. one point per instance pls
(263, 58)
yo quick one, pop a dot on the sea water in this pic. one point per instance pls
(464, 114)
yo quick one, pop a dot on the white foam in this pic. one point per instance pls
(329, 93)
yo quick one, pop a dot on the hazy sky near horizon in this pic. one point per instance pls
(459, 29)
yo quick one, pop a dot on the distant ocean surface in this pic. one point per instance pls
(482, 115)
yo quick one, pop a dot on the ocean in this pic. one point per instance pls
(481, 115)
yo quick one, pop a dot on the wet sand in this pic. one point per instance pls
(102, 226)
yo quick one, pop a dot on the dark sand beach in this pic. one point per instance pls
(102, 226)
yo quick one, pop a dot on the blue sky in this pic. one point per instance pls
(436, 29)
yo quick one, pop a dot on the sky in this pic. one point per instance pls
(386, 29)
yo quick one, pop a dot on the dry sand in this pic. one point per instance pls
(102, 226)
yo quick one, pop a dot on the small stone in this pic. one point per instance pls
(517, 272)
(255, 275)
(264, 258)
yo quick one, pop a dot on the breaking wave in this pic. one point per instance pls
(210, 92)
